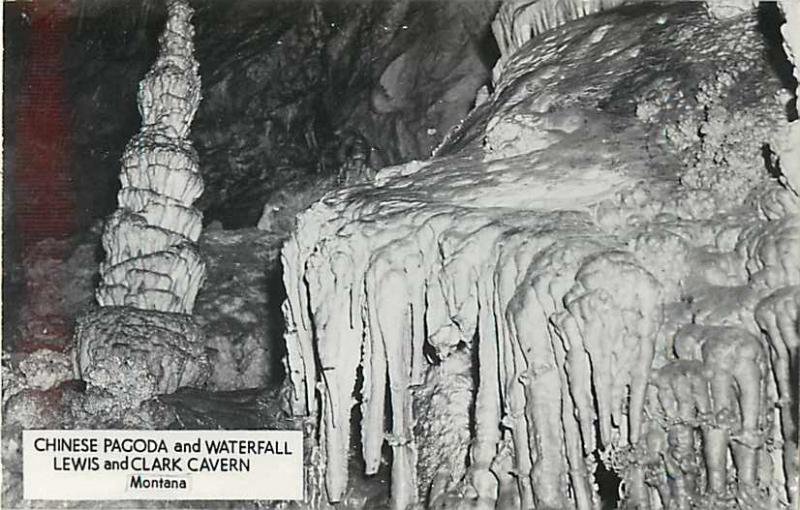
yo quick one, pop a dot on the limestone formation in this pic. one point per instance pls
(723, 9)
(152, 262)
(44, 369)
(142, 341)
(519, 21)
(777, 314)
(622, 307)
(788, 142)
(40, 370)
(137, 354)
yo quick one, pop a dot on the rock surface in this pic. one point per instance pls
(233, 310)
(606, 237)
(137, 354)
(52, 285)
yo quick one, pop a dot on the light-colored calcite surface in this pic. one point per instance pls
(142, 341)
(152, 262)
(788, 142)
(605, 240)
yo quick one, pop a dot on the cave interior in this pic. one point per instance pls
(486, 254)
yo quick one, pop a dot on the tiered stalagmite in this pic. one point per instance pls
(153, 270)
(621, 306)
(151, 261)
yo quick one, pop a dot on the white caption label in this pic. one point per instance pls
(132, 464)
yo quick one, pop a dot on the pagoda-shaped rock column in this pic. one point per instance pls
(152, 262)
(143, 341)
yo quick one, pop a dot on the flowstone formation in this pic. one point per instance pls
(519, 21)
(606, 245)
(788, 143)
(143, 340)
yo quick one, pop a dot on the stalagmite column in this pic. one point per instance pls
(151, 260)
(153, 270)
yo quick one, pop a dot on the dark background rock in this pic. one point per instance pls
(48, 288)
(238, 308)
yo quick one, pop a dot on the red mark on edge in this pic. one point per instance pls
(42, 187)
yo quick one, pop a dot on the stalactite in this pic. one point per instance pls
(487, 406)
(735, 366)
(681, 403)
(777, 314)
(152, 262)
(339, 353)
(519, 21)
(549, 278)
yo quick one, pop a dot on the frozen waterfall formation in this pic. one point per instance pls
(600, 269)
(788, 143)
(153, 270)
